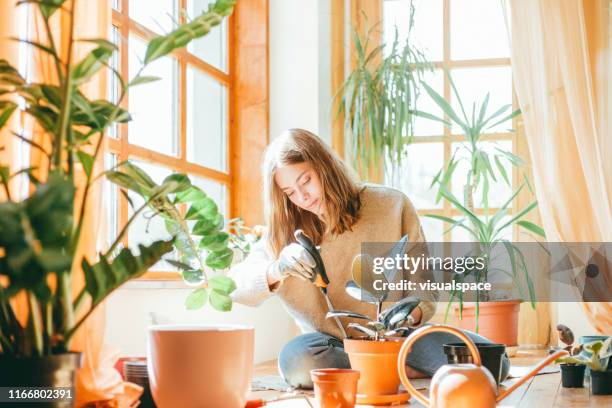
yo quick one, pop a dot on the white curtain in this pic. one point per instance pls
(562, 68)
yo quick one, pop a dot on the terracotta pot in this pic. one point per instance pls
(497, 321)
(335, 387)
(377, 363)
(200, 366)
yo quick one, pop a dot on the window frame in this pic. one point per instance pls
(119, 144)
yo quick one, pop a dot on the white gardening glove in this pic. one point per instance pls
(293, 260)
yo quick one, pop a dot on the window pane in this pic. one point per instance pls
(427, 29)
(423, 126)
(419, 166)
(206, 121)
(478, 30)
(111, 198)
(212, 48)
(433, 229)
(215, 190)
(147, 228)
(157, 15)
(473, 84)
(116, 5)
(113, 82)
(499, 191)
(154, 106)
(459, 234)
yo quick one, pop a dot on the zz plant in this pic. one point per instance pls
(40, 235)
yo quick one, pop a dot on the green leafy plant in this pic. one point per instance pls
(600, 351)
(200, 241)
(390, 322)
(379, 98)
(40, 235)
(485, 230)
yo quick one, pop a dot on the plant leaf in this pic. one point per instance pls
(105, 276)
(196, 299)
(222, 284)
(220, 301)
(536, 229)
(87, 160)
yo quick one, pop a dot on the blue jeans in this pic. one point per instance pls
(318, 350)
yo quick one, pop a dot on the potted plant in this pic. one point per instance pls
(601, 377)
(40, 235)
(572, 368)
(378, 100)
(375, 352)
(493, 317)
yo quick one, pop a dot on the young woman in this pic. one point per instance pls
(306, 186)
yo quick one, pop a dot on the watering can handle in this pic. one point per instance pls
(417, 334)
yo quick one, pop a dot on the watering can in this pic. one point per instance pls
(461, 385)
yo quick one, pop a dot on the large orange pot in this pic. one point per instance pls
(377, 363)
(199, 366)
(497, 321)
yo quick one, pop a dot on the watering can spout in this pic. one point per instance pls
(459, 385)
(531, 373)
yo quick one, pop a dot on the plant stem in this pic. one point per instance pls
(35, 323)
(58, 67)
(65, 286)
(102, 135)
(67, 97)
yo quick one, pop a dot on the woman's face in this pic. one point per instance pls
(302, 186)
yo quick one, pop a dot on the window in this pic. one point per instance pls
(452, 35)
(181, 122)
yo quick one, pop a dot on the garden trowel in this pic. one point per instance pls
(320, 278)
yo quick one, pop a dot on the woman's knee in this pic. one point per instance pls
(308, 352)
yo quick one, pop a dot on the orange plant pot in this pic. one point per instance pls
(335, 387)
(497, 321)
(377, 363)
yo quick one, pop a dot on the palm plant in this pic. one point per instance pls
(379, 98)
(40, 235)
(485, 230)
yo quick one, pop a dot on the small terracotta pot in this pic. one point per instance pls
(335, 387)
(199, 366)
(377, 363)
(497, 321)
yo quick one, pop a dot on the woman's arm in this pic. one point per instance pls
(253, 284)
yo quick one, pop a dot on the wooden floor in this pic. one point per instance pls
(542, 391)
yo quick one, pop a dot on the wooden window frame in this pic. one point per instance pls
(373, 9)
(237, 117)
(448, 138)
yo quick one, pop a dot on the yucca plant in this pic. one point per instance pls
(39, 235)
(486, 230)
(378, 100)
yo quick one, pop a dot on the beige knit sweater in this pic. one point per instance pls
(386, 215)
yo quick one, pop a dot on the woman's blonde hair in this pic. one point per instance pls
(340, 197)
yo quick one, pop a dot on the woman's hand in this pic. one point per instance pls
(293, 260)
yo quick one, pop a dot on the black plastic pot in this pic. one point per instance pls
(572, 376)
(55, 371)
(490, 355)
(601, 382)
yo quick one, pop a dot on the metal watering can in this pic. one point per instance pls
(460, 385)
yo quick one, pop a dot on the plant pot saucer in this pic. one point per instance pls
(389, 399)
